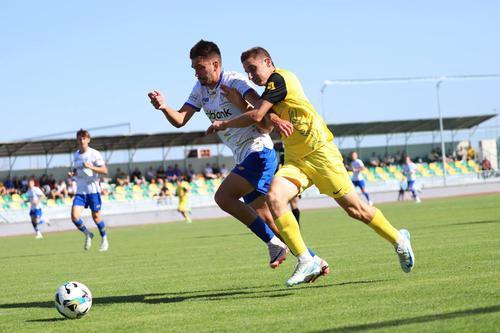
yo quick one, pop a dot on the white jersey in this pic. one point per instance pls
(241, 141)
(356, 174)
(35, 195)
(410, 171)
(87, 181)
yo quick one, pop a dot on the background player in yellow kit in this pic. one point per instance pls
(182, 191)
(310, 158)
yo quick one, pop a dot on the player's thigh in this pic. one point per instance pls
(233, 186)
(282, 190)
(326, 169)
(76, 212)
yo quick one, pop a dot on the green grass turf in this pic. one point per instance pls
(212, 276)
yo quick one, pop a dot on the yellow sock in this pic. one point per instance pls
(289, 230)
(383, 227)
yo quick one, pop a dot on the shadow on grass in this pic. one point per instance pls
(413, 320)
(205, 295)
(464, 223)
(222, 236)
(46, 320)
(477, 222)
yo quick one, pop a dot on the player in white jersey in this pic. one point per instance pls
(410, 172)
(35, 197)
(252, 147)
(357, 178)
(88, 166)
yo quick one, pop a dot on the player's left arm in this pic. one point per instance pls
(275, 92)
(97, 165)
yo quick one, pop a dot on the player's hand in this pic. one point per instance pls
(232, 95)
(87, 165)
(284, 127)
(216, 126)
(157, 99)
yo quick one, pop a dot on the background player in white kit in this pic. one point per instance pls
(35, 197)
(357, 178)
(410, 172)
(252, 149)
(88, 166)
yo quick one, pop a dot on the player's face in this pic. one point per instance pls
(206, 70)
(259, 69)
(83, 142)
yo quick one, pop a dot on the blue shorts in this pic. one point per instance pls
(410, 185)
(258, 169)
(359, 183)
(36, 212)
(92, 200)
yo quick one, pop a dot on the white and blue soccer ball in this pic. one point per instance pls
(73, 300)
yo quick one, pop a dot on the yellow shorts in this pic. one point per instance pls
(324, 168)
(183, 207)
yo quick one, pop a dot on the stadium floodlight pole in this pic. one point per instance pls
(441, 131)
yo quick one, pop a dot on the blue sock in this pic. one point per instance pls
(367, 196)
(102, 228)
(79, 224)
(261, 229)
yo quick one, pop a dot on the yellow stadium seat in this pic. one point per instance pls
(153, 188)
(120, 190)
(51, 203)
(16, 197)
(136, 189)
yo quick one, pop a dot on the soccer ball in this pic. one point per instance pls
(73, 300)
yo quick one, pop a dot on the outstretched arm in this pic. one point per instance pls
(176, 118)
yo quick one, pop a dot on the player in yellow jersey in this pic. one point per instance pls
(311, 157)
(182, 191)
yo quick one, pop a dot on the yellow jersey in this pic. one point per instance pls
(182, 190)
(284, 91)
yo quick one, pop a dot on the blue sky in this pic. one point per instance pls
(67, 64)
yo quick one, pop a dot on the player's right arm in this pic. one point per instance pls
(177, 118)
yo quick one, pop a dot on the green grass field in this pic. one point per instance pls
(212, 276)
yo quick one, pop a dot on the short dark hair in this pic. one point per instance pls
(204, 49)
(255, 51)
(82, 133)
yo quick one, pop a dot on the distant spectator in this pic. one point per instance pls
(24, 184)
(433, 156)
(450, 156)
(150, 174)
(374, 160)
(122, 178)
(190, 171)
(71, 186)
(216, 169)
(3, 189)
(160, 172)
(224, 171)
(388, 159)
(59, 191)
(177, 171)
(136, 174)
(164, 195)
(471, 153)
(9, 186)
(486, 164)
(208, 172)
(170, 175)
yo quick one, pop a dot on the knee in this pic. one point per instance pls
(273, 199)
